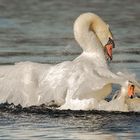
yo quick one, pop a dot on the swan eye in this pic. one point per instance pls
(111, 41)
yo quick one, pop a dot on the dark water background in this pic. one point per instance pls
(42, 31)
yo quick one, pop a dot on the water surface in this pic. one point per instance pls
(42, 31)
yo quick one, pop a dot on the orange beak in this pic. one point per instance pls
(109, 48)
(131, 90)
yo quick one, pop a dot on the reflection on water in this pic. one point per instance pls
(42, 31)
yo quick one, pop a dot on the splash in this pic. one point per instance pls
(75, 85)
(119, 102)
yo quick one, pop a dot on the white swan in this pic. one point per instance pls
(86, 77)
(122, 102)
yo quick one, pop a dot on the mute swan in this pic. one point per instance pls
(85, 77)
(121, 102)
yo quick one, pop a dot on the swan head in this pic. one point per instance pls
(108, 48)
(105, 36)
(128, 89)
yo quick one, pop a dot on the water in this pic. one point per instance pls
(42, 31)
(42, 123)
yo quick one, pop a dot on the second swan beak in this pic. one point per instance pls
(108, 48)
(131, 91)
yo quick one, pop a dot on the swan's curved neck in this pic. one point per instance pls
(88, 29)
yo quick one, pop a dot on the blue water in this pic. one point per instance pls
(42, 31)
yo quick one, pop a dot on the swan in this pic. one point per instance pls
(125, 103)
(86, 77)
